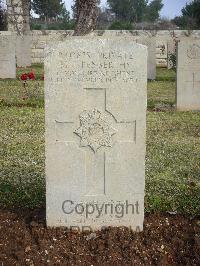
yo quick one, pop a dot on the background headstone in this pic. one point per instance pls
(161, 53)
(150, 42)
(23, 50)
(145, 39)
(188, 75)
(7, 56)
(95, 90)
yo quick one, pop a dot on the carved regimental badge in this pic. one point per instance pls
(94, 131)
(194, 51)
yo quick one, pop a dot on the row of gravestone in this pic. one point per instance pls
(95, 107)
(19, 48)
(165, 41)
(15, 51)
(96, 96)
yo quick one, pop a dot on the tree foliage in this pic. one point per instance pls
(190, 17)
(135, 10)
(105, 18)
(119, 25)
(47, 8)
(152, 10)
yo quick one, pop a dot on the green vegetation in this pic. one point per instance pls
(173, 165)
(173, 147)
(136, 11)
(48, 9)
(14, 93)
(190, 18)
(22, 157)
(53, 15)
(161, 93)
(118, 25)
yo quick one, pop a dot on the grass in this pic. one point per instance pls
(14, 93)
(173, 148)
(163, 74)
(173, 162)
(22, 156)
(162, 91)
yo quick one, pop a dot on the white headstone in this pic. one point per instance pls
(143, 39)
(23, 50)
(7, 57)
(188, 75)
(96, 96)
(150, 42)
(161, 53)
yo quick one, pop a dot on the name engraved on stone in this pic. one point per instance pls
(109, 67)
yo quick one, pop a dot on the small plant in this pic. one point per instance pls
(27, 76)
(172, 60)
(24, 78)
(172, 57)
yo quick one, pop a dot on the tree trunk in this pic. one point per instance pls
(85, 12)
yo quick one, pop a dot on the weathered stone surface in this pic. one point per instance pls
(23, 50)
(188, 75)
(7, 56)
(95, 90)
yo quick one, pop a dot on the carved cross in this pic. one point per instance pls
(96, 131)
(195, 80)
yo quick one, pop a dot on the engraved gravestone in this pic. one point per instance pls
(95, 90)
(188, 75)
(7, 57)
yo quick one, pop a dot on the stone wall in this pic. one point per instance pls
(41, 38)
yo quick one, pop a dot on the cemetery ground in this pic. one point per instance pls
(172, 226)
